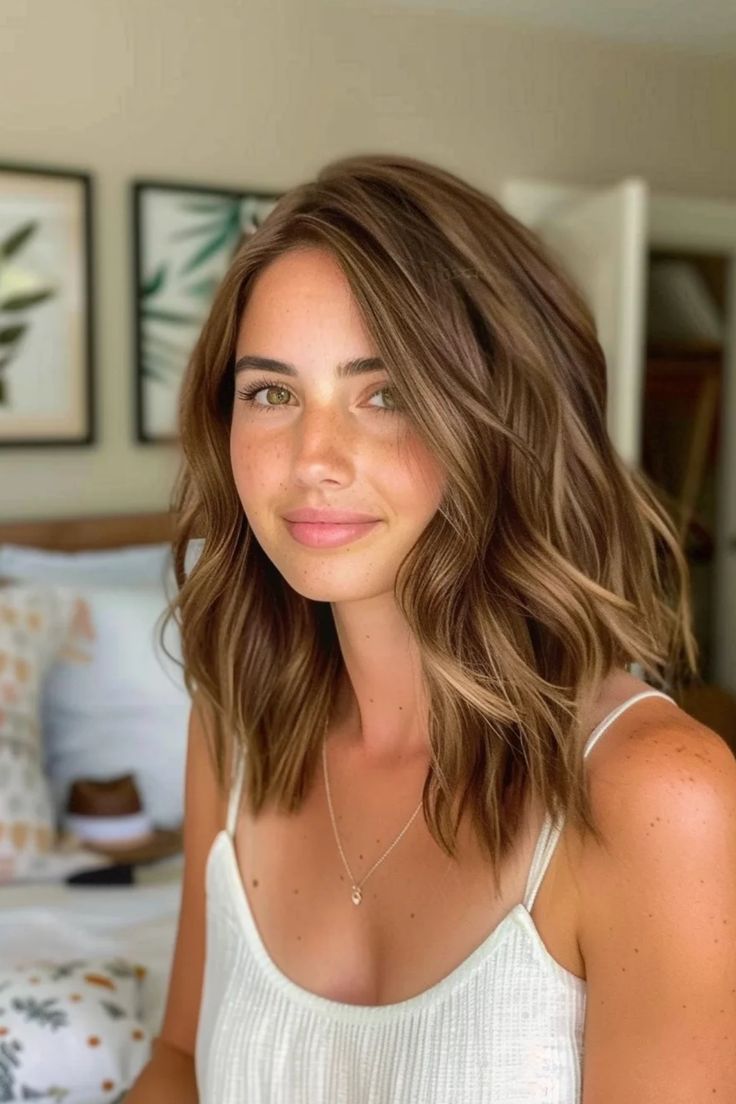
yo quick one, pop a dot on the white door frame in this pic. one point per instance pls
(697, 225)
(709, 226)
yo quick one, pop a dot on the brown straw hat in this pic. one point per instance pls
(107, 817)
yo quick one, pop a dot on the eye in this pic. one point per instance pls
(392, 409)
(248, 395)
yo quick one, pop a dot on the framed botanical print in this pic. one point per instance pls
(46, 308)
(184, 239)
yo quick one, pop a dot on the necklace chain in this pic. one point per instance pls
(357, 892)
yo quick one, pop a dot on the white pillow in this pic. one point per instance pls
(132, 565)
(73, 1030)
(119, 704)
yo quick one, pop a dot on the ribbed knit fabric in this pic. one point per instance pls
(504, 1027)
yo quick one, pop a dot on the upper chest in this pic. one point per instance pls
(422, 913)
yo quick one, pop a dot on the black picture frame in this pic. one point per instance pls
(168, 310)
(47, 305)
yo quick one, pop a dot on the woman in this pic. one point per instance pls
(425, 574)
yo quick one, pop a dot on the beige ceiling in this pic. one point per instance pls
(698, 25)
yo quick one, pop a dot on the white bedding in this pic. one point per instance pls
(58, 921)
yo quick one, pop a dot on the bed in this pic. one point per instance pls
(51, 921)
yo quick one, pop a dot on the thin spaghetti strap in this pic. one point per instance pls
(615, 713)
(546, 843)
(235, 789)
(550, 832)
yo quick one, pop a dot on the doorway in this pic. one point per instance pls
(682, 434)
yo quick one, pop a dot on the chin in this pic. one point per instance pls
(326, 585)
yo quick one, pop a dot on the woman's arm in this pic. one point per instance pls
(169, 1076)
(658, 919)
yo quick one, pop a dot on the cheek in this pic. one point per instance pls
(249, 466)
(425, 478)
(247, 446)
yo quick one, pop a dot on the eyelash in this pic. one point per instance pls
(247, 394)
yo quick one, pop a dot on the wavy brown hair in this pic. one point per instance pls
(547, 565)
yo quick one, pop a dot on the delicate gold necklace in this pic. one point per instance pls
(356, 887)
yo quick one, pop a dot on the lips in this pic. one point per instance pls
(329, 534)
(325, 516)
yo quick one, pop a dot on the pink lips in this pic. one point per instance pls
(326, 514)
(324, 527)
(328, 534)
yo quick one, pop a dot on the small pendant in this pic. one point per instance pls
(357, 896)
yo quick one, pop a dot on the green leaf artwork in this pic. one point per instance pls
(18, 238)
(191, 241)
(21, 290)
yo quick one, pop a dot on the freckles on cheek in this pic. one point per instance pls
(242, 459)
(242, 453)
(257, 468)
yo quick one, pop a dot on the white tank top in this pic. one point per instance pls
(503, 1027)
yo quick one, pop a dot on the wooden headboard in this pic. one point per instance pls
(73, 534)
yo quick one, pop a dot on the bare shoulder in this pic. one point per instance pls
(662, 782)
(658, 913)
(659, 759)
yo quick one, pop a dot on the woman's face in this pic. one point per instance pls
(318, 437)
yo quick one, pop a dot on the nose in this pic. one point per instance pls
(324, 444)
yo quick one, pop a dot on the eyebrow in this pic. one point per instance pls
(356, 367)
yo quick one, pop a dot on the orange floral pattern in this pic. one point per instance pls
(55, 1044)
(37, 622)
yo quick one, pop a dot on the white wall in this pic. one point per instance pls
(262, 94)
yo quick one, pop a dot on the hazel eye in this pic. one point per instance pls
(392, 407)
(248, 394)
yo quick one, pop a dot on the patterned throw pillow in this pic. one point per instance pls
(38, 623)
(118, 704)
(72, 1031)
